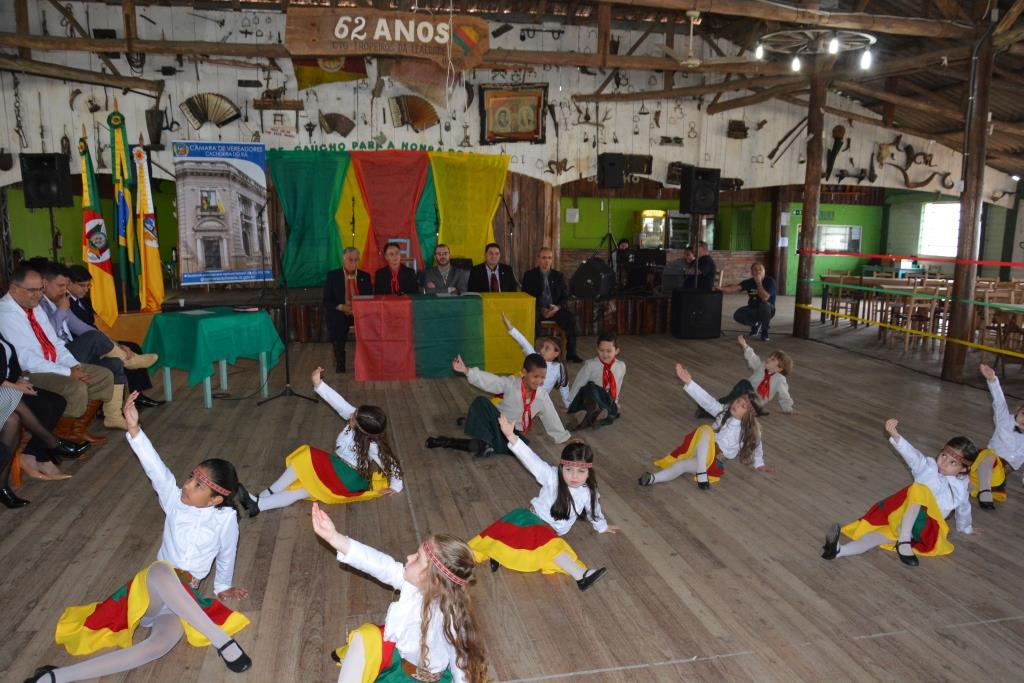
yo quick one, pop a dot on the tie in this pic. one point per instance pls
(608, 380)
(49, 352)
(350, 287)
(494, 281)
(394, 283)
(545, 297)
(765, 387)
(528, 397)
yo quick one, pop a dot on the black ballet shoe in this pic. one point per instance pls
(831, 548)
(435, 442)
(704, 485)
(72, 449)
(590, 578)
(494, 565)
(986, 504)
(646, 479)
(334, 657)
(10, 500)
(43, 674)
(237, 665)
(251, 505)
(909, 560)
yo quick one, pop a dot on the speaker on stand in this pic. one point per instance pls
(698, 192)
(46, 181)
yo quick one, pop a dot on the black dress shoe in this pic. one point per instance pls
(704, 485)
(10, 500)
(494, 565)
(72, 449)
(146, 402)
(590, 578)
(43, 674)
(237, 665)
(830, 550)
(986, 504)
(250, 504)
(335, 657)
(909, 560)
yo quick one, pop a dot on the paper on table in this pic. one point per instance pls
(197, 312)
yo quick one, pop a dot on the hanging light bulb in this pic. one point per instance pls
(833, 46)
(865, 59)
(1015, 178)
(795, 64)
(759, 51)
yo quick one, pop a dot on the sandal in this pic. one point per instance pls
(909, 560)
(237, 665)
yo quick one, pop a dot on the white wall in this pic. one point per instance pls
(704, 140)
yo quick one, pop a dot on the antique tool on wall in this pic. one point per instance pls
(413, 111)
(465, 136)
(209, 107)
(944, 175)
(781, 153)
(219, 22)
(94, 106)
(6, 160)
(737, 130)
(71, 98)
(336, 123)
(885, 150)
(310, 127)
(65, 144)
(775, 150)
(100, 162)
(872, 175)
(19, 127)
(42, 130)
(838, 137)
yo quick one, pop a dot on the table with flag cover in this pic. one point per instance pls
(194, 340)
(446, 326)
(384, 338)
(502, 354)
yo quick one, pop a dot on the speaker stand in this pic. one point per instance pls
(54, 236)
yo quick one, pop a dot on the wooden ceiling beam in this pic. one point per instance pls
(65, 73)
(635, 63)
(758, 97)
(21, 25)
(858, 21)
(689, 91)
(1010, 18)
(169, 47)
(632, 50)
(950, 9)
(80, 30)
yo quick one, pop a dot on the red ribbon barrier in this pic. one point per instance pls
(890, 257)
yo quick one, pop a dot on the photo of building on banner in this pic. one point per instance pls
(222, 233)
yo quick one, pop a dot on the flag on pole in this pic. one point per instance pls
(128, 256)
(95, 247)
(151, 280)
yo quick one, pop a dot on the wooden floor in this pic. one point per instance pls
(721, 585)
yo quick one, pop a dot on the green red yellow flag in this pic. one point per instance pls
(95, 246)
(151, 280)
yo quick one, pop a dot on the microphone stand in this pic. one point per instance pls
(511, 229)
(263, 252)
(287, 391)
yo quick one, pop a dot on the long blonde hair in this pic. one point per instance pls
(461, 627)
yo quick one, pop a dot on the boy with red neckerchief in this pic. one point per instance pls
(598, 385)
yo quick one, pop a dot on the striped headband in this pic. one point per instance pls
(576, 463)
(200, 476)
(448, 573)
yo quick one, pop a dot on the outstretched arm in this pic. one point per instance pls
(331, 397)
(540, 470)
(1001, 415)
(697, 393)
(523, 342)
(162, 478)
(355, 554)
(914, 458)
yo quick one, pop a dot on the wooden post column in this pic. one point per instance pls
(964, 275)
(812, 196)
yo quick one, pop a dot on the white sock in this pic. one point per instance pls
(862, 544)
(569, 566)
(284, 481)
(274, 501)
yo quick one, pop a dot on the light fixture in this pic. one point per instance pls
(814, 41)
(865, 59)
(1015, 178)
(833, 46)
(795, 64)
(759, 52)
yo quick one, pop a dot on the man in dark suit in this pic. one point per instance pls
(395, 278)
(444, 278)
(339, 288)
(492, 275)
(547, 286)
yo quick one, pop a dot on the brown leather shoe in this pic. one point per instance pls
(80, 430)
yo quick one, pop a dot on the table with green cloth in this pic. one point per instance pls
(444, 327)
(194, 340)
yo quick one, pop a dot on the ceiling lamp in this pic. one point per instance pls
(759, 52)
(816, 41)
(865, 59)
(795, 64)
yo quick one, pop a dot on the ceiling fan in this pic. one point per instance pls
(689, 61)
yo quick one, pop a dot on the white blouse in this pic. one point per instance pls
(345, 445)
(556, 369)
(1006, 441)
(729, 436)
(547, 476)
(402, 623)
(951, 492)
(193, 537)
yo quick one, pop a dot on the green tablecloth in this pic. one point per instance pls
(447, 326)
(195, 340)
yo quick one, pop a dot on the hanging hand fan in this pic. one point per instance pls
(689, 60)
(410, 110)
(209, 107)
(336, 123)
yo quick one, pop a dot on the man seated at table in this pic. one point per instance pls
(444, 277)
(395, 278)
(547, 286)
(492, 275)
(701, 271)
(75, 323)
(339, 288)
(760, 308)
(43, 354)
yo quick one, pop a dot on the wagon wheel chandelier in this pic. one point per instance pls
(815, 41)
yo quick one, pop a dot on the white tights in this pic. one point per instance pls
(874, 539)
(695, 465)
(985, 480)
(354, 663)
(269, 500)
(165, 589)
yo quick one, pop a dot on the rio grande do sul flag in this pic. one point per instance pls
(151, 280)
(95, 247)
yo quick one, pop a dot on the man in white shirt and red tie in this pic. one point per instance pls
(42, 353)
(492, 275)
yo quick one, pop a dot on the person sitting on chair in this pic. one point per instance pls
(395, 278)
(700, 272)
(339, 288)
(492, 275)
(547, 286)
(444, 277)
(760, 308)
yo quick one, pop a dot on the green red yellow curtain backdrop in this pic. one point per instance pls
(333, 199)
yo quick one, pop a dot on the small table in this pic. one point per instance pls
(194, 340)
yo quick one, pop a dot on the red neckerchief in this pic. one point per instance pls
(395, 289)
(527, 418)
(608, 380)
(350, 286)
(765, 387)
(49, 351)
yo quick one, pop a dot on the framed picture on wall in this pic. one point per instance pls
(512, 113)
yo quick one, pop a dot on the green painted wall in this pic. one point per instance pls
(731, 226)
(869, 218)
(30, 228)
(593, 223)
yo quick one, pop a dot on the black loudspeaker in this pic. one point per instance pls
(594, 279)
(611, 170)
(696, 314)
(46, 180)
(699, 190)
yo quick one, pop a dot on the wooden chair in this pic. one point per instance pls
(844, 299)
(920, 313)
(550, 328)
(1011, 338)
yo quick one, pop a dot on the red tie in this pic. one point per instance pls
(765, 387)
(608, 380)
(528, 397)
(49, 352)
(394, 283)
(350, 288)
(494, 281)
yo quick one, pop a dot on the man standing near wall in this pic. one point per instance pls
(547, 286)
